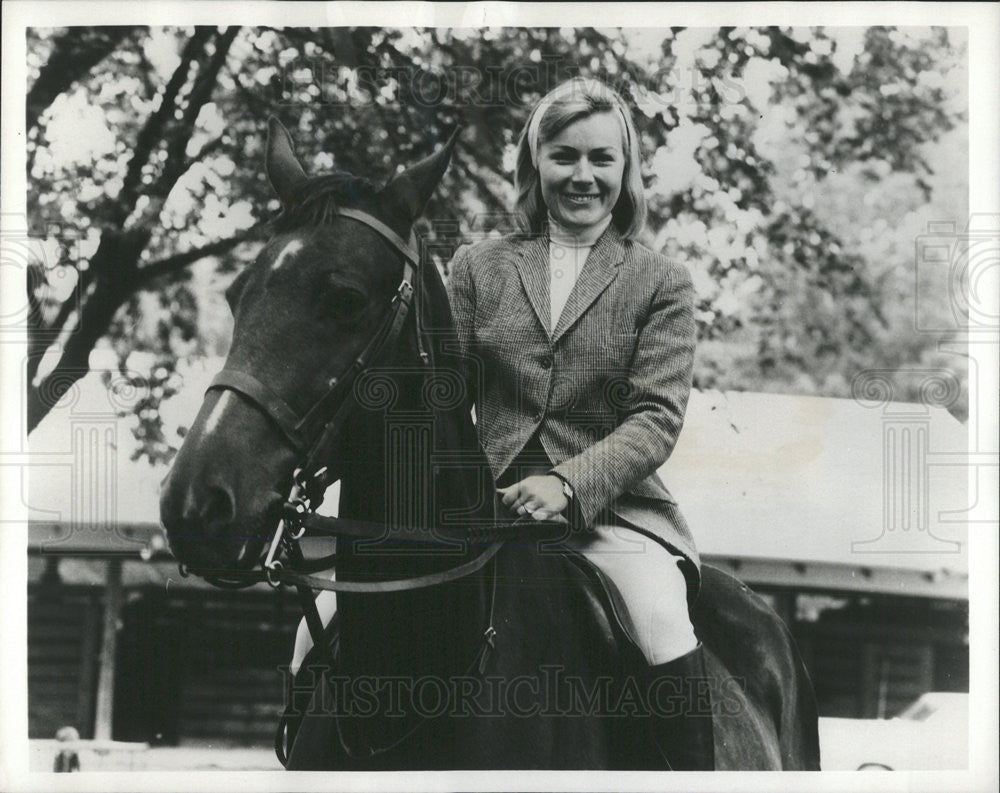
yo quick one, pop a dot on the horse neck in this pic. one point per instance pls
(415, 457)
(418, 466)
(421, 465)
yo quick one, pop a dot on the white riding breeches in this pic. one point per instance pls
(651, 583)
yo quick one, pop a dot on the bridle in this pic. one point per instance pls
(283, 564)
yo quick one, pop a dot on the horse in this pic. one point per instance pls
(460, 641)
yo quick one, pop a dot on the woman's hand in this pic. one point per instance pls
(541, 497)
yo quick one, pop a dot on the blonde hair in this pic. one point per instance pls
(566, 103)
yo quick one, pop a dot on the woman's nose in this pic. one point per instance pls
(583, 173)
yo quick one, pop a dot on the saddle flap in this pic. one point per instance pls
(610, 600)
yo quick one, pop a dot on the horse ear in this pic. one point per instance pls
(283, 170)
(412, 189)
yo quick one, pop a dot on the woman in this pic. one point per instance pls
(580, 343)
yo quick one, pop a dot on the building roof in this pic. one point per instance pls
(823, 480)
(833, 484)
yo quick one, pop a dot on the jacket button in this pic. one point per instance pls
(546, 362)
(539, 416)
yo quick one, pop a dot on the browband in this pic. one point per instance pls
(407, 249)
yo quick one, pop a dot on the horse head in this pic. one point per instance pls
(318, 291)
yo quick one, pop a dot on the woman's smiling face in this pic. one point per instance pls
(581, 170)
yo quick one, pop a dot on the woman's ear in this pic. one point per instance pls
(283, 169)
(411, 190)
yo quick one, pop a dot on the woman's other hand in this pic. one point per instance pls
(541, 497)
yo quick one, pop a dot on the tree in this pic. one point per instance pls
(124, 215)
(178, 180)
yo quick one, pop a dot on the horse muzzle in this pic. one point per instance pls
(208, 533)
(222, 498)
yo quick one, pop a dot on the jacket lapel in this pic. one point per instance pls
(533, 267)
(598, 271)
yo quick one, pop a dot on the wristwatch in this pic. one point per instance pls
(571, 511)
(567, 490)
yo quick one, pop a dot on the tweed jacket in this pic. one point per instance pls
(605, 390)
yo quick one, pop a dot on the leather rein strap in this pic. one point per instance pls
(495, 535)
(394, 585)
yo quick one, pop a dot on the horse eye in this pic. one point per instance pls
(345, 303)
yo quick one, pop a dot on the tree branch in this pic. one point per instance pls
(201, 92)
(341, 46)
(177, 163)
(74, 54)
(151, 132)
(118, 278)
(36, 277)
(41, 334)
(171, 175)
(171, 265)
(114, 262)
(38, 338)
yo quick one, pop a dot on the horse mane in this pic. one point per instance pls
(318, 200)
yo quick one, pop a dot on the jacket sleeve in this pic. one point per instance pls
(462, 298)
(652, 400)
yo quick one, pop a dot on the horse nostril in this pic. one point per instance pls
(209, 512)
(218, 509)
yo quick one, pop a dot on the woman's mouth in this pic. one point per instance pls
(581, 199)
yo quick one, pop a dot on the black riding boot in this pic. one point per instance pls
(681, 706)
